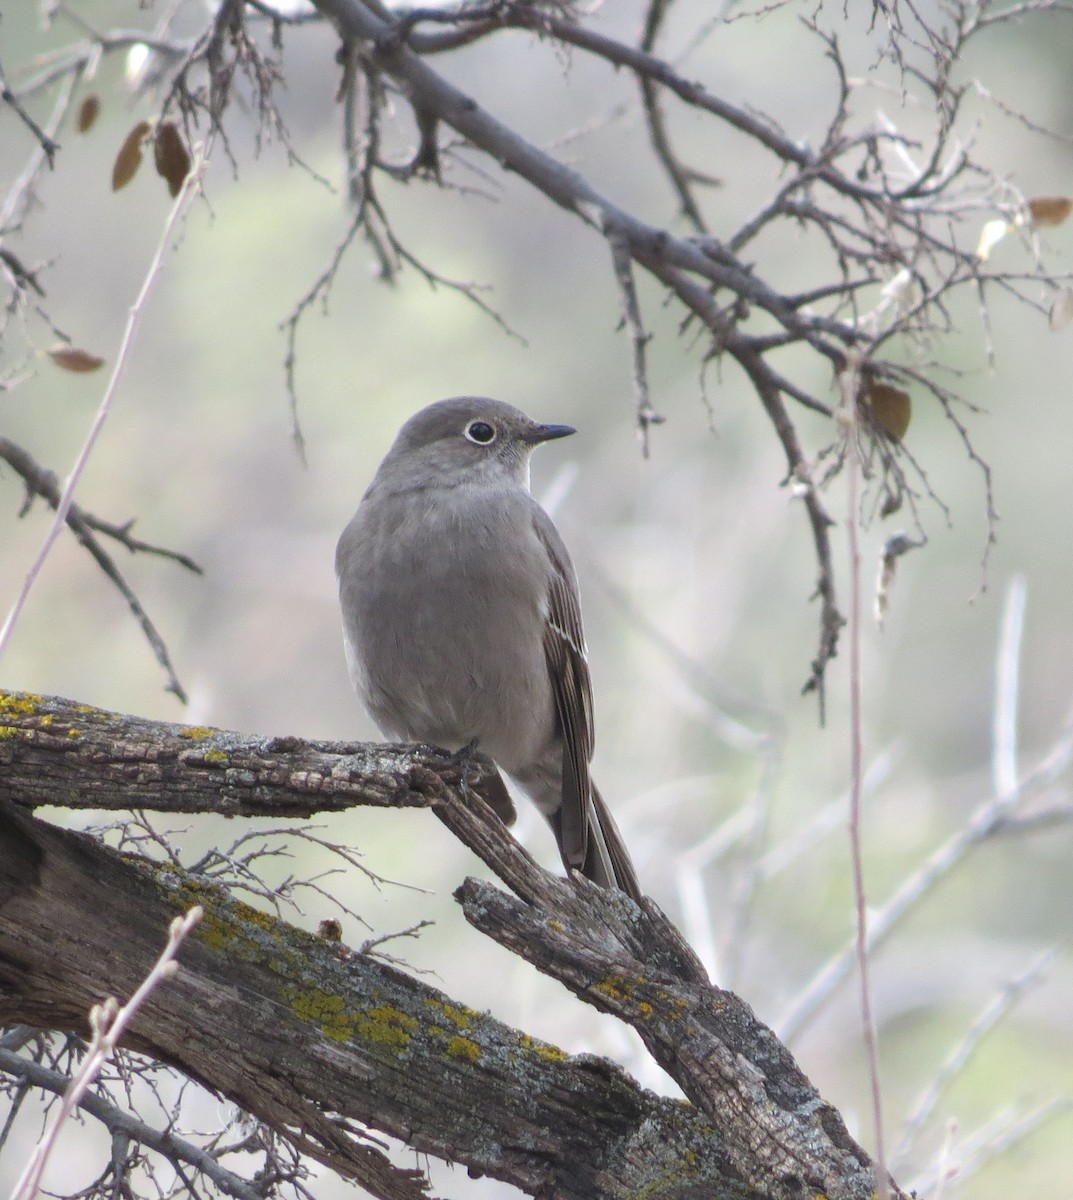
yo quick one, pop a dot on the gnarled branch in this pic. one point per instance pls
(305, 1037)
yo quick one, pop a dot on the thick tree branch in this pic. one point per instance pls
(276, 1021)
(273, 1019)
(55, 752)
(291, 1022)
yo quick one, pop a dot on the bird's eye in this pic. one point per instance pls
(480, 432)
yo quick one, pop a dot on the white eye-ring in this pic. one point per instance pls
(481, 432)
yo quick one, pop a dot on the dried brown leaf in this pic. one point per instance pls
(1047, 211)
(171, 157)
(129, 158)
(88, 111)
(70, 358)
(890, 406)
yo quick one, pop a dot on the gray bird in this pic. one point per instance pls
(461, 618)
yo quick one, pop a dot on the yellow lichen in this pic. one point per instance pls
(19, 704)
(385, 1025)
(544, 1050)
(616, 988)
(197, 732)
(227, 926)
(551, 1053)
(326, 1010)
(459, 1016)
(460, 1047)
(216, 756)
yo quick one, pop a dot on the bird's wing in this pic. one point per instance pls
(568, 668)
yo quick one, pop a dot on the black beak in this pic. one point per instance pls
(546, 433)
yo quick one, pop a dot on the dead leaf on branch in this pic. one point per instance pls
(70, 358)
(170, 156)
(1048, 211)
(1042, 212)
(129, 158)
(88, 112)
(890, 407)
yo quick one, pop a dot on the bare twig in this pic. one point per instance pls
(849, 384)
(45, 140)
(122, 1123)
(18, 198)
(958, 1058)
(646, 415)
(108, 1022)
(40, 481)
(658, 135)
(321, 290)
(180, 206)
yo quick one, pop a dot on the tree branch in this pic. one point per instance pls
(292, 1021)
(53, 751)
(119, 1121)
(273, 1019)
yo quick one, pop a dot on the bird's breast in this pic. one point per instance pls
(444, 602)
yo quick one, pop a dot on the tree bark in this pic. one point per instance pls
(307, 1037)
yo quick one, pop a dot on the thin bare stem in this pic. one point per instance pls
(1007, 671)
(849, 382)
(182, 202)
(990, 818)
(639, 337)
(955, 1062)
(109, 1022)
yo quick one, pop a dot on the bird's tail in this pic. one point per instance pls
(602, 855)
(607, 861)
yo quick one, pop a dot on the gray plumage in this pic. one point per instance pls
(462, 622)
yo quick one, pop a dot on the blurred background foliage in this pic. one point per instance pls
(696, 565)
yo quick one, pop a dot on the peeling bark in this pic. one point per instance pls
(307, 1038)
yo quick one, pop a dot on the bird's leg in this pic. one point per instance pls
(463, 758)
(494, 793)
